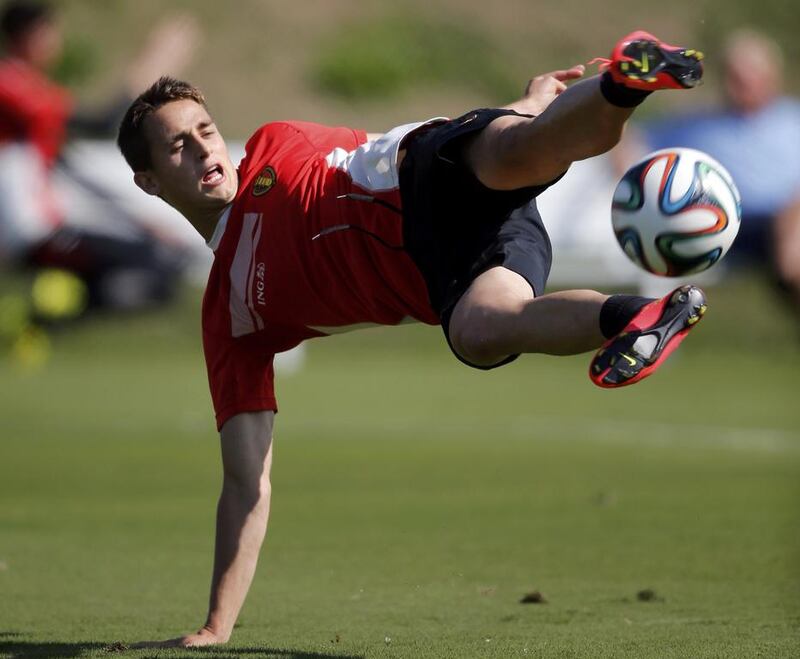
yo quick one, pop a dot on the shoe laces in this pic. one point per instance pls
(603, 63)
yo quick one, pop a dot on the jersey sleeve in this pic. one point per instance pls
(283, 141)
(240, 375)
(326, 139)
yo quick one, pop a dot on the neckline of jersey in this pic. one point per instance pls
(219, 230)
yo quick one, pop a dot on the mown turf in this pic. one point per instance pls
(415, 502)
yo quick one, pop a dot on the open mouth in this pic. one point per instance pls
(214, 175)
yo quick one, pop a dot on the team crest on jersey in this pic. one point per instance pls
(264, 181)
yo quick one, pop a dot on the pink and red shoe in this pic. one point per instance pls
(648, 339)
(642, 61)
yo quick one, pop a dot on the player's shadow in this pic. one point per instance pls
(11, 647)
(270, 653)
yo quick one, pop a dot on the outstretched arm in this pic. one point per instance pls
(242, 515)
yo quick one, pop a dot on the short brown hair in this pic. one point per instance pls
(131, 139)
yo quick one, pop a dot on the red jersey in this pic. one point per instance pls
(311, 245)
(33, 109)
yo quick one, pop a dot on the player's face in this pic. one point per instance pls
(191, 168)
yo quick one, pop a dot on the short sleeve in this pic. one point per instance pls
(240, 375)
(326, 139)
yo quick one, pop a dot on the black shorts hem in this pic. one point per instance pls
(455, 228)
(536, 286)
(446, 330)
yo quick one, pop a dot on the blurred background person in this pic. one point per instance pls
(93, 253)
(755, 134)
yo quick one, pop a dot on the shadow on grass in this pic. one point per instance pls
(11, 649)
(270, 653)
(17, 649)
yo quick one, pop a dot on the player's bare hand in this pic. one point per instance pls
(542, 90)
(560, 76)
(549, 85)
(202, 638)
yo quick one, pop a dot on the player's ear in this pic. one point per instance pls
(147, 181)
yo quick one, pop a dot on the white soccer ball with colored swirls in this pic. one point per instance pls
(676, 212)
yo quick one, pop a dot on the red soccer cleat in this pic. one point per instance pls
(648, 339)
(642, 61)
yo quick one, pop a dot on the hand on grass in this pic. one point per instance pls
(201, 638)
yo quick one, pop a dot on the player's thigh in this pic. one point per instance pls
(514, 152)
(483, 315)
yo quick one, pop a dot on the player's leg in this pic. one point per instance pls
(499, 317)
(514, 152)
(585, 120)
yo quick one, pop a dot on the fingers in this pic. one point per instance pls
(545, 84)
(558, 77)
(569, 74)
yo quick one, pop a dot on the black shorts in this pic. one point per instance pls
(455, 228)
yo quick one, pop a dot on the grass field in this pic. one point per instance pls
(415, 502)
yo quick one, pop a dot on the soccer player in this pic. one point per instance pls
(326, 229)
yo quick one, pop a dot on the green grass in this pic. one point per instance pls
(415, 501)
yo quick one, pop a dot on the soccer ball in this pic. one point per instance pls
(676, 212)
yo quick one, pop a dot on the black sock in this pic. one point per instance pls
(618, 310)
(620, 95)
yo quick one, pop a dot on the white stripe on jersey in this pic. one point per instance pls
(373, 165)
(244, 317)
(219, 230)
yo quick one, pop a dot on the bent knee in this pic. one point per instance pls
(482, 325)
(474, 338)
